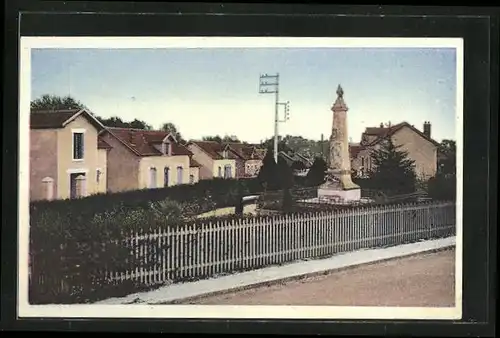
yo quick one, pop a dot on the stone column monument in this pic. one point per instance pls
(339, 184)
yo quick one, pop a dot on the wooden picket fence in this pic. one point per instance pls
(214, 248)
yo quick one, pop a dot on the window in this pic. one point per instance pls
(191, 179)
(77, 145)
(362, 161)
(227, 171)
(179, 175)
(48, 183)
(152, 177)
(77, 185)
(98, 175)
(166, 172)
(220, 171)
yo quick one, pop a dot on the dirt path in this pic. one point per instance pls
(422, 280)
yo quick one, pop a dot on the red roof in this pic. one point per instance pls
(354, 149)
(389, 131)
(193, 163)
(54, 119)
(101, 144)
(142, 142)
(243, 150)
(212, 148)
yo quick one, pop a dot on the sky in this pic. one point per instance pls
(215, 91)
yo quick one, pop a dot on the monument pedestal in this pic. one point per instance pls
(339, 187)
(329, 193)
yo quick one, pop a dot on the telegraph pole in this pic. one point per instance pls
(269, 84)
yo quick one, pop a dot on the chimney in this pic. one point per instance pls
(427, 129)
(381, 125)
(132, 137)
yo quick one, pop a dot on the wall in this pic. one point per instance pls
(65, 164)
(160, 162)
(122, 166)
(43, 161)
(102, 155)
(240, 167)
(423, 152)
(222, 163)
(252, 167)
(195, 171)
(206, 162)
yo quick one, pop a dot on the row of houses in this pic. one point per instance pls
(72, 154)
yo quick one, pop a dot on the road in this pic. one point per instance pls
(420, 280)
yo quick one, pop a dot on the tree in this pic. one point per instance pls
(394, 172)
(282, 145)
(54, 102)
(216, 138)
(268, 173)
(231, 138)
(117, 122)
(285, 174)
(448, 158)
(443, 185)
(316, 174)
(172, 129)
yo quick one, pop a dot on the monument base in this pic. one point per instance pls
(339, 194)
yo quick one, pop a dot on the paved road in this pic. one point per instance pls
(422, 280)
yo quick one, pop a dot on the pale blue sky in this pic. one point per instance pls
(215, 90)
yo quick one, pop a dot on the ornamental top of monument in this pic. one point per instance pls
(339, 104)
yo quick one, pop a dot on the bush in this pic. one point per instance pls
(75, 240)
(442, 188)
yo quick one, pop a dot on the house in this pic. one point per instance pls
(420, 146)
(215, 159)
(299, 163)
(143, 159)
(67, 159)
(248, 158)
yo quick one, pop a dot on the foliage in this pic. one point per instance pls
(443, 185)
(442, 188)
(74, 240)
(226, 138)
(316, 174)
(394, 172)
(53, 102)
(284, 174)
(268, 173)
(282, 145)
(172, 129)
(117, 122)
(447, 158)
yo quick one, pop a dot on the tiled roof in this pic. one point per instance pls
(383, 132)
(245, 151)
(44, 119)
(193, 163)
(389, 131)
(54, 119)
(212, 148)
(143, 142)
(354, 149)
(101, 144)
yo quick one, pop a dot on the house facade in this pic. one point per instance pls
(214, 158)
(421, 148)
(147, 159)
(299, 163)
(248, 158)
(67, 160)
